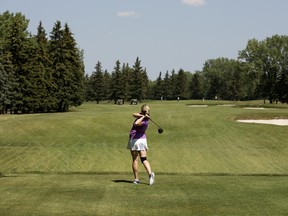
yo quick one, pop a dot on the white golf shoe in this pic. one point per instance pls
(152, 178)
(136, 181)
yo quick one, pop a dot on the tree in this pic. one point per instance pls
(117, 83)
(196, 86)
(182, 85)
(145, 84)
(67, 65)
(222, 79)
(97, 83)
(126, 72)
(8, 80)
(17, 50)
(137, 81)
(157, 89)
(76, 68)
(267, 59)
(167, 90)
(44, 82)
(106, 85)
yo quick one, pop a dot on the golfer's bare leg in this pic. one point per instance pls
(146, 163)
(135, 157)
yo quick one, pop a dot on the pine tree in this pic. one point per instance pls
(182, 85)
(137, 81)
(117, 83)
(75, 67)
(196, 87)
(17, 51)
(68, 70)
(8, 81)
(97, 83)
(158, 91)
(59, 71)
(48, 102)
(126, 72)
(106, 85)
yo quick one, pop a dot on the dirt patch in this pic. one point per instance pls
(280, 122)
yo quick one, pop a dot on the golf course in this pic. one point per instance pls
(205, 161)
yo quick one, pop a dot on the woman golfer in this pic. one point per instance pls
(138, 144)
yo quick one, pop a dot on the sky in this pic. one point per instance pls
(166, 35)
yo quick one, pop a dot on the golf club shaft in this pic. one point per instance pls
(155, 123)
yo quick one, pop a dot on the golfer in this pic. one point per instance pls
(137, 144)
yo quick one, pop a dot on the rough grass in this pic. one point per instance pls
(206, 163)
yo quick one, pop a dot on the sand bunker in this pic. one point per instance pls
(254, 108)
(197, 105)
(280, 122)
(227, 105)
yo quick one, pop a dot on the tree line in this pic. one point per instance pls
(40, 73)
(37, 73)
(259, 72)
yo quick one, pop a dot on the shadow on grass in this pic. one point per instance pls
(122, 181)
(7, 176)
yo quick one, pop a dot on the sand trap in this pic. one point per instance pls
(254, 108)
(197, 105)
(227, 105)
(280, 122)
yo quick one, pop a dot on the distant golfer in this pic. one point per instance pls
(138, 144)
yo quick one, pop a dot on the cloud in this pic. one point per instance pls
(127, 14)
(194, 2)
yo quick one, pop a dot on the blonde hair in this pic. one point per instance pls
(145, 108)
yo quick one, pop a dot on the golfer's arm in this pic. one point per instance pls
(137, 115)
(139, 121)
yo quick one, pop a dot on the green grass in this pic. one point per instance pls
(206, 163)
(112, 194)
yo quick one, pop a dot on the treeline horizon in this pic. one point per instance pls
(40, 73)
(259, 72)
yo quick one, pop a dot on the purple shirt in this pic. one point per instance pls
(138, 132)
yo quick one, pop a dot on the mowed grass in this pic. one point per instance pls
(206, 163)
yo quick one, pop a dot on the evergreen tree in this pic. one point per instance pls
(88, 90)
(173, 83)
(158, 91)
(75, 65)
(59, 76)
(196, 86)
(106, 85)
(97, 80)
(167, 90)
(3, 89)
(68, 71)
(126, 72)
(45, 69)
(137, 81)
(182, 85)
(117, 83)
(17, 51)
(8, 81)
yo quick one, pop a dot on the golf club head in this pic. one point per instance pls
(160, 130)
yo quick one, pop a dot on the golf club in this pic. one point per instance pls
(160, 130)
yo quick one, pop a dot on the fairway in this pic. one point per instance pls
(206, 163)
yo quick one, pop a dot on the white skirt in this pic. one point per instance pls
(137, 144)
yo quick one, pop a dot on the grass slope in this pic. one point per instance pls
(206, 163)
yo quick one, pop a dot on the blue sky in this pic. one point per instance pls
(164, 34)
